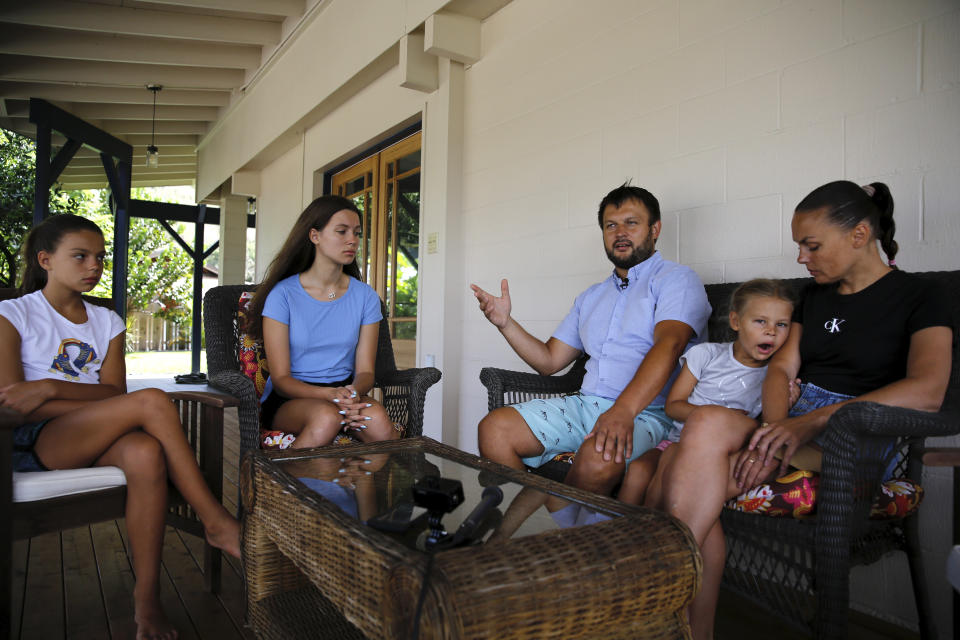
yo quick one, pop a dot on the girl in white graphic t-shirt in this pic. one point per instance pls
(62, 367)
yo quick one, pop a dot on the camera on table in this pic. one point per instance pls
(435, 493)
(438, 496)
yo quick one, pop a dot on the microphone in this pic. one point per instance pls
(489, 499)
(624, 282)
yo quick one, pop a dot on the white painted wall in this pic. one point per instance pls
(730, 111)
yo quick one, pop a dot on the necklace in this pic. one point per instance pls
(332, 295)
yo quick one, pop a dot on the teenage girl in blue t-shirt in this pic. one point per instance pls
(320, 325)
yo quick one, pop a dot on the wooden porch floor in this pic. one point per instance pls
(78, 584)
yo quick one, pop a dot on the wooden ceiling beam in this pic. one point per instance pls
(107, 47)
(285, 8)
(108, 111)
(84, 16)
(121, 127)
(168, 160)
(116, 74)
(135, 182)
(139, 139)
(97, 93)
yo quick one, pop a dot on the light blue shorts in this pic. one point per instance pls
(561, 424)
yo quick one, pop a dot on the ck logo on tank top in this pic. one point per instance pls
(833, 325)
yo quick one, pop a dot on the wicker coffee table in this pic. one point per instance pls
(314, 568)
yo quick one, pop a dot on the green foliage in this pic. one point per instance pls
(406, 298)
(17, 171)
(159, 272)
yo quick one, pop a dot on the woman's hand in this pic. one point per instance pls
(337, 395)
(351, 409)
(356, 471)
(787, 435)
(794, 389)
(749, 470)
(26, 397)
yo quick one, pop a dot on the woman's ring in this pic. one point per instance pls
(751, 460)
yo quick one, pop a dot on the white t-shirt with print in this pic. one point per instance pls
(721, 380)
(53, 347)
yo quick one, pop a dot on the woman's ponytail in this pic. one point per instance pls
(886, 226)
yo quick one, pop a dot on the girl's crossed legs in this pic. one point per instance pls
(140, 432)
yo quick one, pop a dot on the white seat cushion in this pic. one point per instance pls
(953, 568)
(40, 485)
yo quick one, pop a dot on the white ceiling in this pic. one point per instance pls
(94, 58)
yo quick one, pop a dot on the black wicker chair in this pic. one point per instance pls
(799, 569)
(404, 392)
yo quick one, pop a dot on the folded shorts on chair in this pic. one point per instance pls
(41, 485)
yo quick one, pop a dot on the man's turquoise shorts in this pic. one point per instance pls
(561, 424)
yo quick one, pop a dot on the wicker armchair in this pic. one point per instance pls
(404, 392)
(799, 569)
(505, 387)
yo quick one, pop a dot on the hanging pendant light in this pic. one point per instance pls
(153, 154)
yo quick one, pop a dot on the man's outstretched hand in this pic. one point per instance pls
(497, 310)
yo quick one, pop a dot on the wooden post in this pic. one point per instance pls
(41, 187)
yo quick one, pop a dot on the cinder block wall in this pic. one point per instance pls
(730, 112)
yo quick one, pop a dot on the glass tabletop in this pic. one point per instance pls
(427, 500)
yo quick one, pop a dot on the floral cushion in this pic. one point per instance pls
(253, 363)
(792, 495)
(897, 499)
(253, 359)
(274, 439)
(795, 494)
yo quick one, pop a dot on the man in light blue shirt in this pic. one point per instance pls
(634, 325)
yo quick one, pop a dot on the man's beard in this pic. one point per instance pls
(638, 255)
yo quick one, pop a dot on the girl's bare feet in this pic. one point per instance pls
(224, 534)
(152, 623)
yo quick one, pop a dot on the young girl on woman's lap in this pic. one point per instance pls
(62, 367)
(721, 381)
(319, 325)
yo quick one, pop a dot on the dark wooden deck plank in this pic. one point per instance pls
(116, 578)
(21, 549)
(205, 610)
(85, 614)
(43, 598)
(170, 599)
(231, 593)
